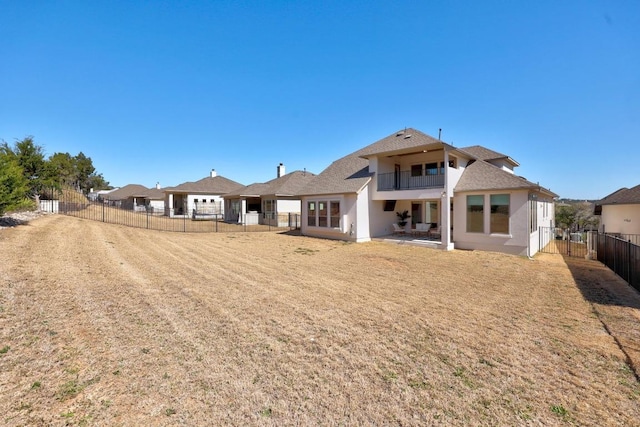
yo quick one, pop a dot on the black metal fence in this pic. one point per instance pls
(621, 255)
(154, 219)
(554, 240)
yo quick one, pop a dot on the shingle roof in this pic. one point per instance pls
(623, 196)
(401, 140)
(351, 173)
(154, 194)
(346, 175)
(286, 185)
(482, 176)
(484, 153)
(126, 192)
(209, 185)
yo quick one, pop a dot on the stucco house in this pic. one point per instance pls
(130, 196)
(154, 200)
(270, 202)
(620, 211)
(199, 199)
(471, 196)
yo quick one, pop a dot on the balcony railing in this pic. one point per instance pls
(404, 181)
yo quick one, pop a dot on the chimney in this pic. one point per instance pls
(157, 185)
(280, 170)
(213, 173)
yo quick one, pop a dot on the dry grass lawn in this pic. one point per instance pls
(106, 325)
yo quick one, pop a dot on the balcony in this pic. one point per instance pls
(404, 181)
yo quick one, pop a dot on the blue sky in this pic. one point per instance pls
(164, 91)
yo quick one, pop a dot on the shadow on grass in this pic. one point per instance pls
(7, 221)
(603, 289)
(598, 284)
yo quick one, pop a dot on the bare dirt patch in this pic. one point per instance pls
(107, 325)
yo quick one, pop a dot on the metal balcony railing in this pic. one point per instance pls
(404, 181)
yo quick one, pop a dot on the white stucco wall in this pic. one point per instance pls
(624, 219)
(288, 206)
(349, 205)
(514, 243)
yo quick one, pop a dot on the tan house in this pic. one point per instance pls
(467, 198)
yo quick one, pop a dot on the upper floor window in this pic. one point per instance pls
(416, 170)
(431, 168)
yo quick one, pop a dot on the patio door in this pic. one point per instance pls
(416, 213)
(432, 211)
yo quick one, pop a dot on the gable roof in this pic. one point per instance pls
(623, 196)
(486, 154)
(126, 192)
(286, 185)
(154, 194)
(209, 185)
(351, 173)
(397, 142)
(482, 176)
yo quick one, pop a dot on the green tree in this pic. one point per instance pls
(14, 186)
(576, 216)
(31, 158)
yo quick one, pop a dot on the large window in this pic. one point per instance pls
(431, 169)
(269, 208)
(311, 214)
(416, 170)
(323, 213)
(475, 214)
(499, 213)
(335, 214)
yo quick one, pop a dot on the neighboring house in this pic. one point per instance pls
(620, 211)
(128, 197)
(470, 196)
(154, 200)
(269, 202)
(200, 199)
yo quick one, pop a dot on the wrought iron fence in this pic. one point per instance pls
(562, 241)
(622, 256)
(192, 220)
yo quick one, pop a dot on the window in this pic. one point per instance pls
(416, 170)
(500, 213)
(311, 214)
(441, 168)
(204, 200)
(475, 214)
(431, 169)
(335, 214)
(211, 200)
(533, 216)
(322, 214)
(453, 162)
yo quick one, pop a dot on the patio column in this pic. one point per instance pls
(445, 207)
(243, 209)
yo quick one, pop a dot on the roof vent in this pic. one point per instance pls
(407, 136)
(400, 133)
